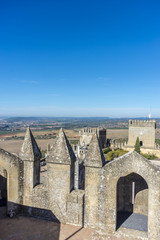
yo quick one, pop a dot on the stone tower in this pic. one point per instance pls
(60, 165)
(31, 155)
(93, 167)
(87, 133)
(145, 130)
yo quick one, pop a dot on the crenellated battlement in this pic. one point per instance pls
(87, 133)
(69, 188)
(90, 131)
(144, 130)
(142, 123)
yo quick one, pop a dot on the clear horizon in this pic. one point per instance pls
(83, 115)
(80, 58)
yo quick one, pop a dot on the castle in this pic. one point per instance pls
(145, 130)
(113, 192)
(86, 135)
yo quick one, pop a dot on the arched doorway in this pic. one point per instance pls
(132, 202)
(3, 192)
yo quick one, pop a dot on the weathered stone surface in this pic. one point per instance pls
(75, 207)
(108, 189)
(31, 155)
(30, 150)
(13, 167)
(145, 130)
(95, 157)
(87, 133)
(62, 152)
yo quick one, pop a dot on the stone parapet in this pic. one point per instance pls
(142, 123)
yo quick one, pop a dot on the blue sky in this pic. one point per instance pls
(80, 58)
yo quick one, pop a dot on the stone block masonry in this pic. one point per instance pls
(145, 130)
(107, 194)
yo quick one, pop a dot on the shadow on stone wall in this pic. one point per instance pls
(49, 223)
(37, 212)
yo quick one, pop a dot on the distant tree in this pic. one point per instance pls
(106, 150)
(137, 146)
(115, 154)
(110, 156)
(149, 156)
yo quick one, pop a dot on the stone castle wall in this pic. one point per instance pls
(156, 152)
(107, 187)
(86, 135)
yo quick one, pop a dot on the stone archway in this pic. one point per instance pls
(132, 202)
(12, 167)
(123, 166)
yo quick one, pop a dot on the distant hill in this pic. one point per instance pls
(69, 119)
(24, 119)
